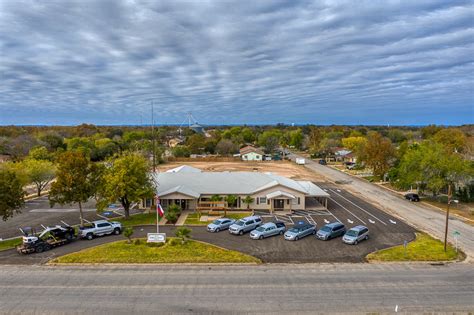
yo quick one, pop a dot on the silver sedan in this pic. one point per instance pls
(220, 224)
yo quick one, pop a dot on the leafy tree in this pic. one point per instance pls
(355, 144)
(39, 172)
(296, 138)
(11, 194)
(315, 137)
(270, 139)
(53, 141)
(428, 165)
(453, 139)
(75, 180)
(181, 151)
(184, 234)
(216, 198)
(196, 143)
(248, 200)
(40, 153)
(226, 147)
(396, 135)
(378, 153)
(248, 135)
(429, 131)
(173, 213)
(125, 179)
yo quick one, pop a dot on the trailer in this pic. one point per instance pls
(300, 161)
(49, 238)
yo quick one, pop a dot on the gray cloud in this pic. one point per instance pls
(398, 62)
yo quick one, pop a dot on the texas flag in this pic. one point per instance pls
(159, 208)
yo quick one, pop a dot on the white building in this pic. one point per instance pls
(192, 189)
(250, 153)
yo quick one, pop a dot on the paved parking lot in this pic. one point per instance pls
(385, 231)
(37, 212)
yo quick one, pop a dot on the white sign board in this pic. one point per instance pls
(156, 237)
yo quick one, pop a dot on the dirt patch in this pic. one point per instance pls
(283, 168)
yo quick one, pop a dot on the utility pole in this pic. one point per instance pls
(153, 136)
(447, 218)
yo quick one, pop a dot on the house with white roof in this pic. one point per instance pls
(193, 189)
(249, 153)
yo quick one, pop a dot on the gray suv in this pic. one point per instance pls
(300, 230)
(245, 225)
(331, 230)
(356, 234)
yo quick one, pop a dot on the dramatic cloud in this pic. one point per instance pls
(397, 62)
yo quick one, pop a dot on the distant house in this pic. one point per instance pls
(344, 155)
(4, 158)
(249, 153)
(174, 142)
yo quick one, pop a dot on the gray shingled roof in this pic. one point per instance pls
(222, 183)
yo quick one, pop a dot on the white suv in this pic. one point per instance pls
(245, 225)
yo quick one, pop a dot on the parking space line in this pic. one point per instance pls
(359, 207)
(348, 211)
(311, 220)
(85, 220)
(101, 216)
(334, 217)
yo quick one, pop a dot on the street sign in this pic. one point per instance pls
(156, 238)
(456, 233)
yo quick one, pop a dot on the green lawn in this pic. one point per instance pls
(193, 218)
(9, 243)
(423, 248)
(138, 219)
(122, 252)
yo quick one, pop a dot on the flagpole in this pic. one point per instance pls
(157, 217)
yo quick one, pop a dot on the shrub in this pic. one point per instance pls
(128, 232)
(184, 234)
(175, 241)
(173, 213)
(155, 244)
(137, 242)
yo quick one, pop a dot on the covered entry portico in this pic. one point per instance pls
(280, 200)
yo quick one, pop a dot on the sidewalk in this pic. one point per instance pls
(182, 217)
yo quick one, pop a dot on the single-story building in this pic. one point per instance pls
(192, 189)
(249, 153)
(344, 155)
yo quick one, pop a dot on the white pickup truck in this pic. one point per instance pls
(99, 228)
(300, 161)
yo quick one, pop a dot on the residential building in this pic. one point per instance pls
(250, 153)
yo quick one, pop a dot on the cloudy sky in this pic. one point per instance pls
(243, 61)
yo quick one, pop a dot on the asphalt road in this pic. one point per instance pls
(416, 214)
(285, 289)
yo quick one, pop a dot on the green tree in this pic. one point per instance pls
(248, 135)
(127, 180)
(270, 139)
(248, 200)
(39, 172)
(453, 139)
(181, 151)
(355, 144)
(75, 181)
(184, 234)
(231, 202)
(173, 213)
(428, 165)
(378, 153)
(40, 153)
(296, 138)
(11, 194)
(196, 143)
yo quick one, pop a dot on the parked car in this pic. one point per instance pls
(356, 234)
(300, 230)
(412, 197)
(322, 162)
(268, 229)
(244, 225)
(331, 230)
(99, 228)
(220, 224)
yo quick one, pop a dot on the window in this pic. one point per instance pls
(249, 222)
(103, 224)
(263, 199)
(298, 200)
(258, 220)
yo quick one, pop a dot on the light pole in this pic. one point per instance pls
(447, 218)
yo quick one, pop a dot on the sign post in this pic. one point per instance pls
(157, 237)
(456, 234)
